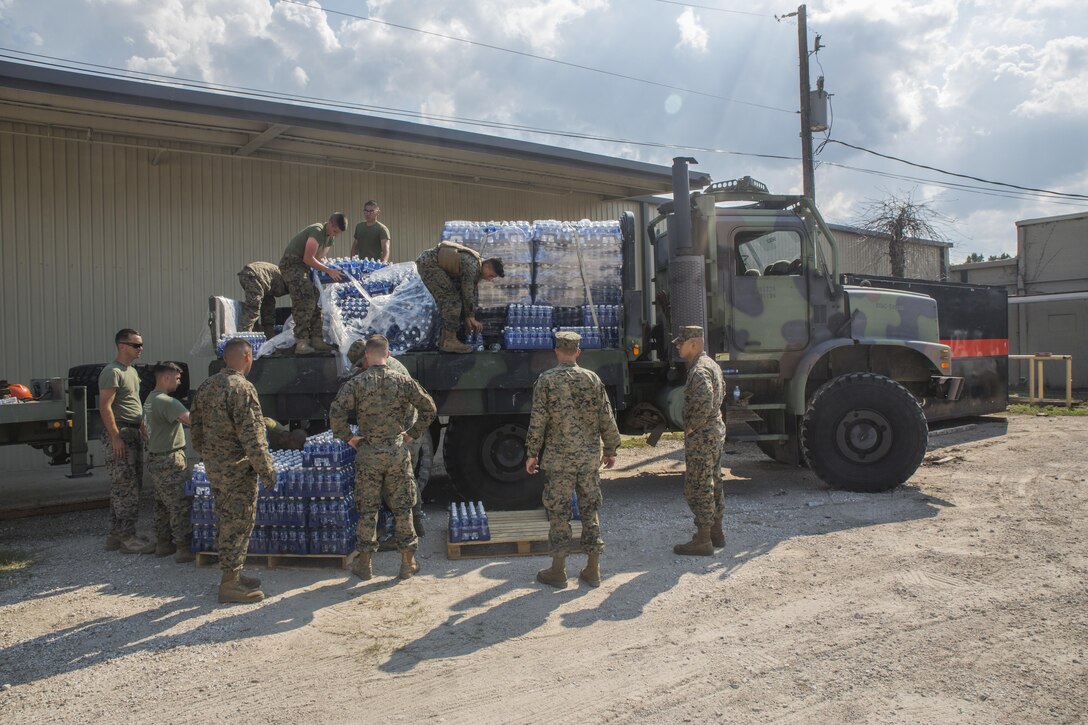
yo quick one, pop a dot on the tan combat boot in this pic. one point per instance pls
(363, 568)
(184, 554)
(717, 535)
(450, 343)
(556, 574)
(249, 582)
(164, 547)
(133, 544)
(302, 347)
(591, 575)
(320, 345)
(698, 546)
(231, 590)
(408, 564)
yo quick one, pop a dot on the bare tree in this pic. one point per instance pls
(899, 218)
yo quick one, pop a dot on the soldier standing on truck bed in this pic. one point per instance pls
(704, 437)
(228, 432)
(570, 417)
(371, 236)
(451, 272)
(164, 416)
(304, 252)
(357, 358)
(263, 283)
(382, 400)
(123, 442)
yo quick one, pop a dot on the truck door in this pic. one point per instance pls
(769, 291)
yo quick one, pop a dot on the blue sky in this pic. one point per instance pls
(995, 89)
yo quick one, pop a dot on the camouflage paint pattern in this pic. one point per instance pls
(704, 394)
(168, 472)
(262, 283)
(571, 417)
(304, 309)
(228, 431)
(126, 479)
(381, 402)
(456, 298)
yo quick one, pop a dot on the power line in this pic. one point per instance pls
(717, 10)
(1060, 194)
(534, 56)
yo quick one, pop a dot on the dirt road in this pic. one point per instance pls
(961, 596)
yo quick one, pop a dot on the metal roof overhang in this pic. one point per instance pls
(172, 118)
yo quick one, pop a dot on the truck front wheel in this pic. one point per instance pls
(864, 432)
(485, 457)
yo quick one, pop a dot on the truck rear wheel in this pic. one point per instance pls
(864, 432)
(485, 457)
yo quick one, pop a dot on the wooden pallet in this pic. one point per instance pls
(273, 561)
(513, 533)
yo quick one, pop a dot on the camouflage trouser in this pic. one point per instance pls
(303, 292)
(234, 490)
(385, 473)
(258, 304)
(126, 479)
(173, 510)
(703, 482)
(446, 293)
(557, 493)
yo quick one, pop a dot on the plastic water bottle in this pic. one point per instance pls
(736, 394)
(485, 526)
(455, 524)
(574, 512)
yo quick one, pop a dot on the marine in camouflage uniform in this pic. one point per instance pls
(381, 401)
(358, 361)
(451, 272)
(704, 437)
(228, 431)
(571, 415)
(263, 283)
(297, 275)
(123, 442)
(167, 465)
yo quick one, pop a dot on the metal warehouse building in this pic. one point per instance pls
(126, 204)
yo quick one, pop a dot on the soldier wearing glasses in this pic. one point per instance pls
(123, 436)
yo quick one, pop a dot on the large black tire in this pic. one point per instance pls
(485, 457)
(864, 432)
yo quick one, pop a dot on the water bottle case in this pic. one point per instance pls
(468, 522)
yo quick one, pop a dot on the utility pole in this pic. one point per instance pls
(808, 175)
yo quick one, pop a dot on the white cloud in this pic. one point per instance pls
(301, 76)
(1060, 80)
(540, 22)
(692, 34)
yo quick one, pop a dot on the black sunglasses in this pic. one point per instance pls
(136, 345)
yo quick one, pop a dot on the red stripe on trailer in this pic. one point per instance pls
(978, 348)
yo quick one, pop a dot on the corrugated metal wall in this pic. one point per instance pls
(102, 234)
(868, 255)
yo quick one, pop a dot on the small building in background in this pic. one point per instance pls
(1047, 282)
(865, 252)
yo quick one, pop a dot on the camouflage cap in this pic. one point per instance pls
(567, 340)
(688, 332)
(356, 351)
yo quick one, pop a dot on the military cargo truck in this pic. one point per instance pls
(830, 375)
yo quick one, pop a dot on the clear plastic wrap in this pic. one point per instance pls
(406, 313)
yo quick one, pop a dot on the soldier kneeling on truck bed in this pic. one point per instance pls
(451, 272)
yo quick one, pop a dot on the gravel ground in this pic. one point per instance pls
(960, 596)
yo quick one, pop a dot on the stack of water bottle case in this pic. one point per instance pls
(310, 510)
(549, 266)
